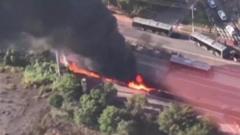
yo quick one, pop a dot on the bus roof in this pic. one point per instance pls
(209, 41)
(150, 22)
(190, 62)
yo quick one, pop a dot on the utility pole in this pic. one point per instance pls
(58, 62)
(193, 9)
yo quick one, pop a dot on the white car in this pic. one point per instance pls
(230, 29)
(212, 4)
(222, 15)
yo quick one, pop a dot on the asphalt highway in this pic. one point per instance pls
(183, 46)
(216, 92)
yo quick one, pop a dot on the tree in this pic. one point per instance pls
(126, 128)
(56, 101)
(109, 120)
(176, 119)
(65, 83)
(69, 86)
(135, 105)
(111, 92)
(202, 128)
(91, 107)
(40, 73)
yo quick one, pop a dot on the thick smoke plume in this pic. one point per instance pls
(84, 26)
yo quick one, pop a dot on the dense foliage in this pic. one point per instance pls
(69, 86)
(182, 120)
(109, 119)
(135, 105)
(91, 105)
(126, 128)
(40, 74)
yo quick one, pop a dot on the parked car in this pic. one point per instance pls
(212, 3)
(233, 31)
(222, 15)
(230, 29)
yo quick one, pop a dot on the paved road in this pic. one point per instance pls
(184, 46)
(217, 91)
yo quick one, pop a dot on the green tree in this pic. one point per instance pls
(91, 107)
(110, 91)
(135, 105)
(65, 83)
(40, 73)
(176, 119)
(143, 124)
(202, 128)
(126, 128)
(56, 101)
(109, 120)
(69, 86)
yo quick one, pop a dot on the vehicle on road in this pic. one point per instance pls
(179, 59)
(233, 31)
(152, 26)
(211, 45)
(230, 29)
(212, 3)
(222, 15)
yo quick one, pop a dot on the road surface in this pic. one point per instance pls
(217, 92)
(185, 46)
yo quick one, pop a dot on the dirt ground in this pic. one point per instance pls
(22, 112)
(19, 108)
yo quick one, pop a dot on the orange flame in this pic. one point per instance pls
(76, 69)
(139, 84)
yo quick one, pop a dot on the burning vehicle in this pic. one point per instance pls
(71, 25)
(74, 66)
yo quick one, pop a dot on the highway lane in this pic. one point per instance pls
(184, 46)
(217, 91)
(155, 40)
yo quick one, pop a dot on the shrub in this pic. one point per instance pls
(109, 120)
(39, 74)
(135, 105)
(126, 128)
(56, 101)
(65, 83)
(176, 119)
(91, 107)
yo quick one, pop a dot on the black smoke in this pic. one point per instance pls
(84, 26)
